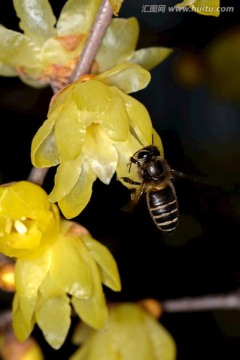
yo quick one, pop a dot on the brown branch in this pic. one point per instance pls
(205, 303)
(102, 21)
(37, 175)
(94, 40)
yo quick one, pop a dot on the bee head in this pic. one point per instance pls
(144, 155)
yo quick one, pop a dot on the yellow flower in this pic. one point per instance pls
(119, 44)
(203, 7)
(28, 222)
(131, 333)
(92, 130)
(48, 49)
(70, 272)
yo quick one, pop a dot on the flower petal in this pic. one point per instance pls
(15, 48)
(69, 132)
(77, 16)
(116, 5)
(73, 203)
(37, 19)
(163, 343)
(127, 77)
(92, 311)
(43, 149)
(22, 316)
(30, 273)
(150, 57)
(125, 151)
(107, 265)
(139, 119)
(100, 153)
(66, 178)
(69, 270)
(53, 318)
(118, 43)
(206, 7)
(203, 7)
(7, 70)
(115, 120)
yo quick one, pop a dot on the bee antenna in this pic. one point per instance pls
(129, 165)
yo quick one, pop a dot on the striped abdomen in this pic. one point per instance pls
(163, 207)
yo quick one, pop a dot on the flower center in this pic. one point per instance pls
(18, 225)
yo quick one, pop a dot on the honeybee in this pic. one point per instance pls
(156, 176)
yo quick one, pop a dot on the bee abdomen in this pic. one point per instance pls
(163, 207)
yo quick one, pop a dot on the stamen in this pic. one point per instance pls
(20, 227)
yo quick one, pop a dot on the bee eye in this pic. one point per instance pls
(143, 155)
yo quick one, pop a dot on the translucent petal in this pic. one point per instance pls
(115, 120)
(116, 5)
(125, 151)
(22, 316)
(43, 149)
(139, 119)
(26, 197)
(73, 203)
(202, 7)
(53, 318)
(127, 323)
(31, 82)
(92, 311)
(62, 50)
(66, 178)
(69, 270)
(70, 132)
(27, 306)
(81, 333)
(29, 274)
(107, 265)
(15, 48)
(21, 245)
(118, 43)
(164, 346)
(37, 19)
(100, 153)
(150, 57)
(127, 77)
(100, 345)
(92, 99)
(6, 70)
(49, 289)
(77, 16)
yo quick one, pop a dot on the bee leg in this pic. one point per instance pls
(130, 181)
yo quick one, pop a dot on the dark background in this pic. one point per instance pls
(200, 134)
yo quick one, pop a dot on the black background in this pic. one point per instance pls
(200, 135)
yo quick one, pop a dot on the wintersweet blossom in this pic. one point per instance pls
(68, 273)
(119, 45)
(131, 333)
(48, 49)
(28, 222)
(93, 128)
(203, 7)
